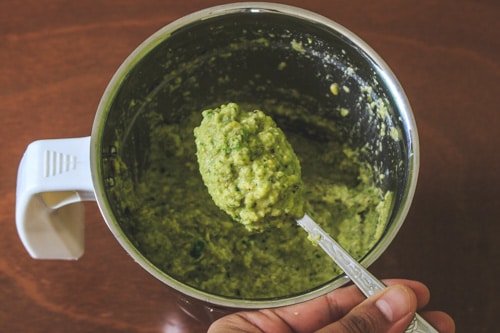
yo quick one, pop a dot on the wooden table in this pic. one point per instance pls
(56, 58)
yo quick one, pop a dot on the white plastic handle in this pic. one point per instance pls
(53, 178)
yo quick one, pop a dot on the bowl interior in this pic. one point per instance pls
(259, 57)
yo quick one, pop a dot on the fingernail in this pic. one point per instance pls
(394, 303)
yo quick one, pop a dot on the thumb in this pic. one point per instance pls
(391, 310)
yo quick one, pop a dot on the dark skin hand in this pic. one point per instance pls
(344, 310)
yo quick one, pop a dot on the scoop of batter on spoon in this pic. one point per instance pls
(248, 167)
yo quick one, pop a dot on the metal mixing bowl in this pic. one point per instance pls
(264, 53)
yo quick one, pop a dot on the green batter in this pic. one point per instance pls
(248, 166)
(169, 215)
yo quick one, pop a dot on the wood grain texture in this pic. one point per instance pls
(56, 58)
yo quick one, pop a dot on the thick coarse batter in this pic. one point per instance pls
(175, 224)
(248, 166)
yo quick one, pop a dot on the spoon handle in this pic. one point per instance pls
(366, 282)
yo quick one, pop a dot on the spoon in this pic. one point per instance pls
(362, 278)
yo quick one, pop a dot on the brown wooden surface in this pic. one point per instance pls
(56, 58)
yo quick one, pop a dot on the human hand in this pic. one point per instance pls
(344, 310)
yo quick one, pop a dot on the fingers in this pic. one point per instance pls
(343, 310)
(440, 320)
(421, 291)
(389, 311)
(235, 323)
(313, 315)
(303, 317)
